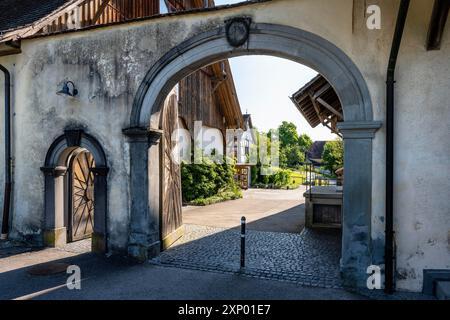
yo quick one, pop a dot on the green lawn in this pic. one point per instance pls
(296, 179)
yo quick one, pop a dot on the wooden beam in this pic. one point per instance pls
(316, 107)
(437, 24)
(117, 11)
(9, 52)
(100, 11)
(174, 3)
(199, 4)
(321, 91)
(301, 110)
(333, 110)
(9, 47)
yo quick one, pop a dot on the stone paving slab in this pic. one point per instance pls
(310, 258)
(15, 255)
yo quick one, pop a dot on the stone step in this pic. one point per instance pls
(443, 290)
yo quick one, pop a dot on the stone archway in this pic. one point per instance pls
(297, 45)
(56, 188)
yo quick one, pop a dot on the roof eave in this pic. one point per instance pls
(16, 34)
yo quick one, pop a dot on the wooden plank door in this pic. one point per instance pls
(171, 215)
(81, 222)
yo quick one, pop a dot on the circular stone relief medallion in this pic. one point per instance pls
(237, 31)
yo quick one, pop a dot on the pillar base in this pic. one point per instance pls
(142, 253)
(154, 249)
(353, 277)
(138, 253)
(55, 237)
(98, 243)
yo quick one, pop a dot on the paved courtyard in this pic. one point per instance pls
(116, 278)
(283, 262)
(277, 245)
(103, 278)
(265, 210)
(310, 258)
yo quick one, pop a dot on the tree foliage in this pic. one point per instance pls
(208, 179)
(292, 146)
(288, 134)
(305, 142)
(291, 156)
(333, 155)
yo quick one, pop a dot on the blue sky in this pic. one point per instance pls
(264, 85)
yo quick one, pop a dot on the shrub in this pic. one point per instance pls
(280, 178)
(208, 183)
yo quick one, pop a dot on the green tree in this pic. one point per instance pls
(288, 134)
(333, 155)
(291, 156)
(305, 142)
(292, 146)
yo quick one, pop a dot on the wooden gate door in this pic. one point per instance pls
(81, 219)
(171, 212)
(242, 176)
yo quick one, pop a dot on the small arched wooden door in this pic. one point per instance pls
(81, 217)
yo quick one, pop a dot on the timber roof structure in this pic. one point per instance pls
(226, 95)
(27, 18)
(21, 19)
(319, 104)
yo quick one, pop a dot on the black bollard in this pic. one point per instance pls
(243, 242)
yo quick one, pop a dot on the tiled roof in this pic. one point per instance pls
(15, 14)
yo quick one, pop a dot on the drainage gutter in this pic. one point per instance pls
(8, 180)
(389, 254)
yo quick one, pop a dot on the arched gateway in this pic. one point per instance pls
(236, 38)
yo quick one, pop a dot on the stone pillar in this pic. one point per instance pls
(99, 241)
(55, 231)
(357, 202)
(144, 237)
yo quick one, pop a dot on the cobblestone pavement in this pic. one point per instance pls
(310, 258)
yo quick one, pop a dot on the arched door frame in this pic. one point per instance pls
(55, 170)
(358, 130)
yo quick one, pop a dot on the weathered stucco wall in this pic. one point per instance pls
(108, 64)
(422, 178)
